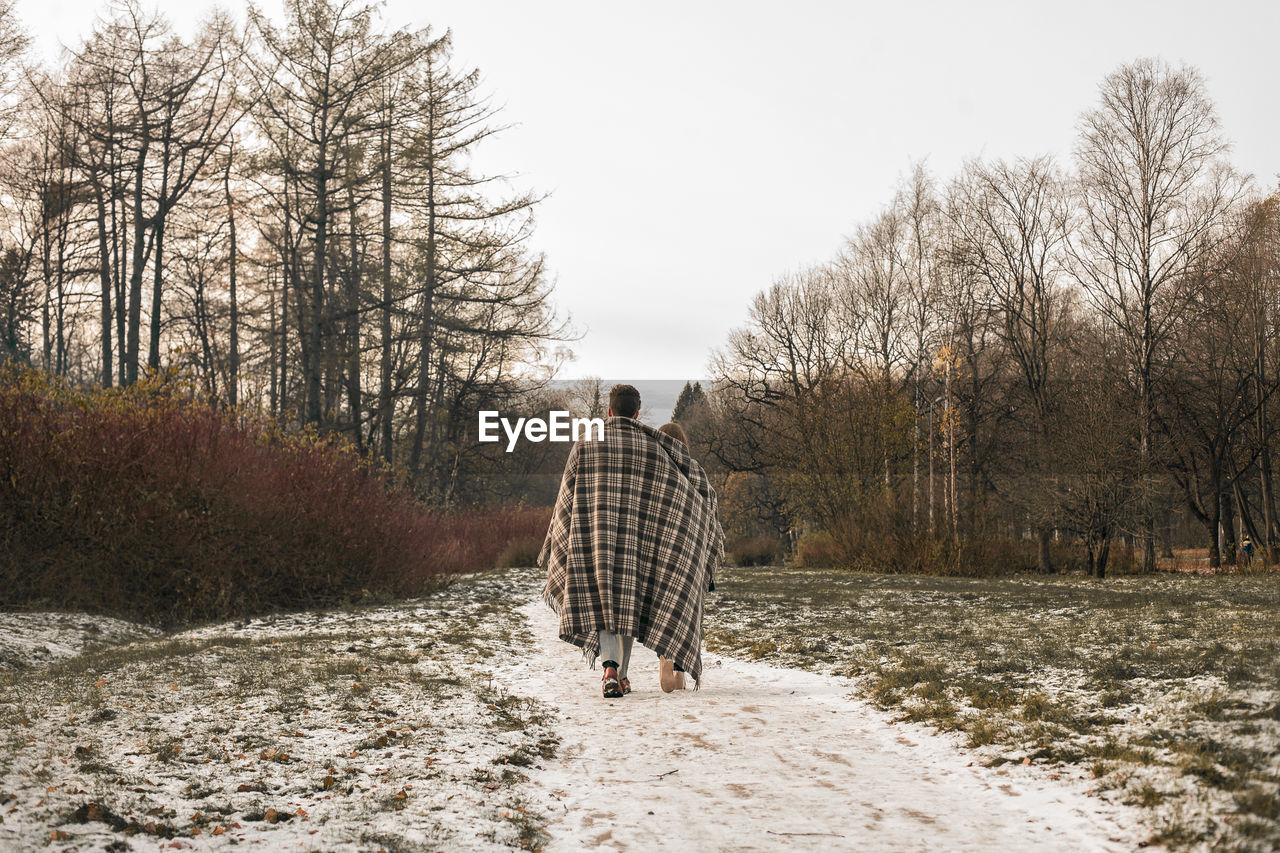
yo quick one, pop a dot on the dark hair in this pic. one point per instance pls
(624, 401)
(675, 431)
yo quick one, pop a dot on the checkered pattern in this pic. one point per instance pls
(633, 543)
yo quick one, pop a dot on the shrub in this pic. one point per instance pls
(819, 550)
(754, 551)
(520, 553)
(140, 504)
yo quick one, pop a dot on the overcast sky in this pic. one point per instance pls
(695, 150)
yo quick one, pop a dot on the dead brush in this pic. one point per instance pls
(143, 504)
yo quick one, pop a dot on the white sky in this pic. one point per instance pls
(695, 150)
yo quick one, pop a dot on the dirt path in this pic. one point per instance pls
(766, 758)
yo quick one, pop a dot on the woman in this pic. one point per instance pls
(670, 675)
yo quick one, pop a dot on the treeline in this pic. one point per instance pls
(1025, 352)
(286, 215)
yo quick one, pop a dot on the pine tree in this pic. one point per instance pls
(690, 399)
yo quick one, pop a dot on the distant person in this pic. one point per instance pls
(1246, 548)
(632, 546)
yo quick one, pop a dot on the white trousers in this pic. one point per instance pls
(617, 649)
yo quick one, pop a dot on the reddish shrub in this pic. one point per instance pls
(141, 504)
(520, 552)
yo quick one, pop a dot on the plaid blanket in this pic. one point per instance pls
(633, 543)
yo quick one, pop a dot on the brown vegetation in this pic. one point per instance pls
(145, 505)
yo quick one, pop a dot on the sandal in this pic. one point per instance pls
(611, 688)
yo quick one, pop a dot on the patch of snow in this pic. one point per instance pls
(768, 758)
(31, 640)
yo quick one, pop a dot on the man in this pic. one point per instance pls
(632, 546)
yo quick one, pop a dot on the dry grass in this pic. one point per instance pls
(1166, 687)
(336, 721)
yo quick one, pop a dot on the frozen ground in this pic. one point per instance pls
(771, 758)
(461, 723)
(349, 730)
(36, 640)
(1165, 689)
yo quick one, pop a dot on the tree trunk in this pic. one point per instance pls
(233, 356)
(1044, 558)
(119, 254)
(1228, 529)
(134, 325)
(427, 330)
(386, 407)
(354, 402)
(1104, 551)
(1148, 537)
(915, 459)
(315, 325)
(46, 267)
(157, 284)
(273, 344)
(1214, 526)
(104, 279)
(1267, 544)
(1246, 514)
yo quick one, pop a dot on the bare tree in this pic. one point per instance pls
(169, 106)
(921, 260)
(876, 291)
(1011, 224)
(477, 282)
(326, 71)
(1154, 188)
(13, 44)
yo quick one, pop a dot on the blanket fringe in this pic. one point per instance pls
(551, 601)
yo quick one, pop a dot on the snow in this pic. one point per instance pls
(355, 730)
(42, 639)
(771, 758)
(427, 725)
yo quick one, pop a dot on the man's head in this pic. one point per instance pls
(624, 401)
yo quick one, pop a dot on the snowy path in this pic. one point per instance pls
(766, 758)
